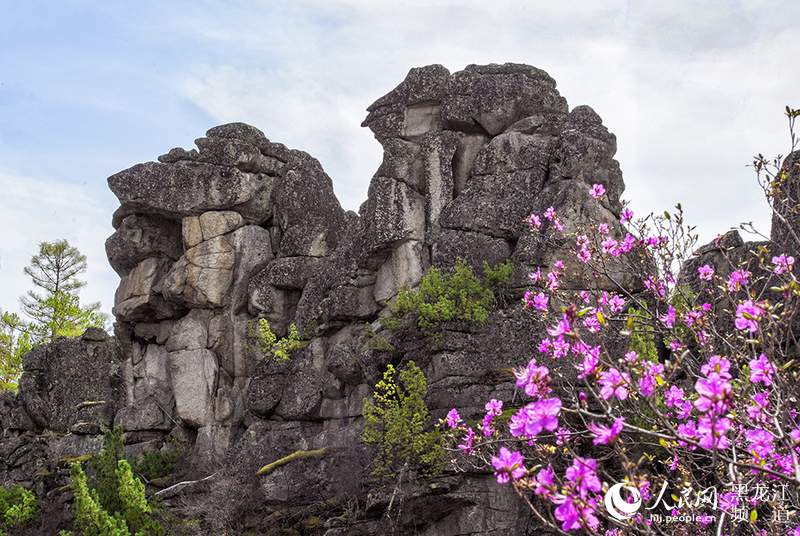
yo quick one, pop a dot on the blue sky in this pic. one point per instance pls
(691, 89)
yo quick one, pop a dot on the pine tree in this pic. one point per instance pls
(15, 341)
(54, 305)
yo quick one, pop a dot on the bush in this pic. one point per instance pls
(457, 295)
(17, 506)
(395, 420)
(280, 349)
(115, 503)
(153, 465)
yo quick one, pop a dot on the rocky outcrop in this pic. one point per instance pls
(210, 240)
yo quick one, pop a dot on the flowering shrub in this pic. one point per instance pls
(681, 388)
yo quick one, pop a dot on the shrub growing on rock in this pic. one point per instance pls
(395, 420)
(443, 296)
(17, 507)
(279, 348)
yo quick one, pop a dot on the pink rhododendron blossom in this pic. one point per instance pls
(674, 396)
(782, 264)
(544, 481)
(631, 356)
(614, 383)
(584, 254)
(728, 501)
(717, 364)
(761, 370)
(508, 465)
(712, 432)
(550, 213)
(466, 445)
(738, 279)
(453, 418)
(605, 435)
(649, 380)
(616, 303)
(540, 301)
(627, 244)
(757, 411)
(533, 379)
(592, 323)
(535, 276)
(494, 407)
(611, 247)
(714, 394)
(602, 228)
(668, 319)
(706, 272)
(532, 419)
(761, 443)
(598, 191)
(561, 328)
(588, 366)
(558, 225)
(534, 221)
(626, 215)
(747, 315)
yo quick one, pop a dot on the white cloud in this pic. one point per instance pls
(692, 92)
(37, 210)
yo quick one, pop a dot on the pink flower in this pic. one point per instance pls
(647, 383)
(616, 303)
(530, 420)
(494, 407)
(453, 418)
(598, 191)
(705, 272)
(534, 221)
(747, 315)
(738, 279)
(583, 474)
(614, 384)
(534, 379)
(584, 254)
(717, 364)
(540, 301)
(712, 432)
(626, 215)
(588, 366)
(550, 213)
(673, 396)
(782, 264)
(508, 465)
(466, 445)
(602, 228)
(668, 319)
(604, 435)
(761, 370)
(558, 225)
(544, 481)
(535, 276)
(562, 328)
(714, 394)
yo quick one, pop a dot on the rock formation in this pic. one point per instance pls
(209, 240)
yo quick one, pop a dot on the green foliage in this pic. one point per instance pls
(89, 516)
(15, 342)
(104, 470)
(499, 275)
(457, 295)
(641, 339)
(282, 348)
(55, 308)
(395, 420)
(115, 504)
(158, 464)
(17, 506)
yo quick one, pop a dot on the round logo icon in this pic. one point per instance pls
(619, 508)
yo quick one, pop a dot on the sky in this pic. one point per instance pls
(691, 89)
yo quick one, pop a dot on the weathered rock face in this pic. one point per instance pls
(208, 241)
